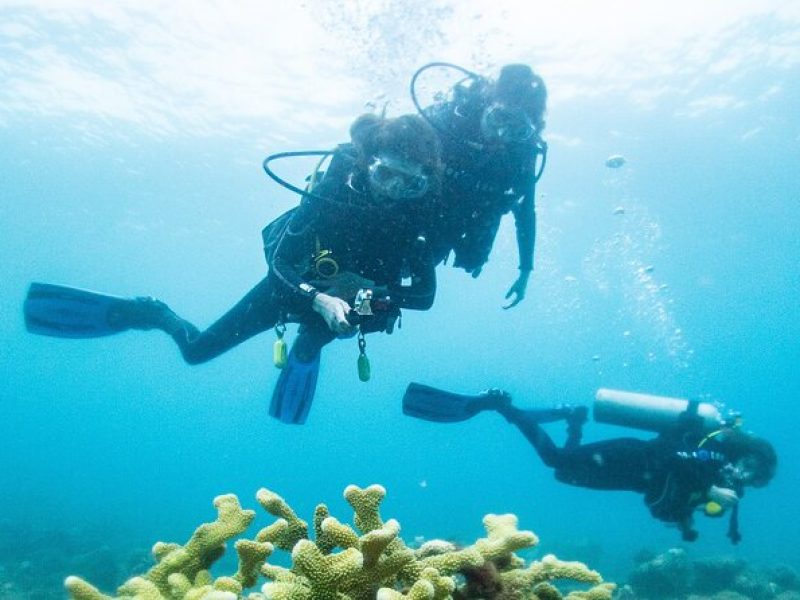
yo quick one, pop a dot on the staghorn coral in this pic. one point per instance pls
(366, 561)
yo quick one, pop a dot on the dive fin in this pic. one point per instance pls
(68, 312)
(432, 404)
(294, 392)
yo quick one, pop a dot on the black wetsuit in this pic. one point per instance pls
(482, 183)
(384, 244)
(672, 473)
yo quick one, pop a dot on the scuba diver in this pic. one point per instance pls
(491, 146)
(344, 262)
(698, 461)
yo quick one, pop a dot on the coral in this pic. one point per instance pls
(668, 575)
(714, 574)
(343, 562)
(711, 578)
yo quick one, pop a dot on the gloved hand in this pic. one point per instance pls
(725, 497)
(334, 311)
(518, 289)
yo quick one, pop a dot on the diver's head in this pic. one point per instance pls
(400, 157)
(515, 107)
(752, 459)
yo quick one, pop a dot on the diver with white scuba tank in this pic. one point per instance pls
(698, 461)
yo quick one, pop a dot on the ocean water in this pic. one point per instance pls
(132, 136)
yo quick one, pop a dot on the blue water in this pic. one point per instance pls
(130, 163)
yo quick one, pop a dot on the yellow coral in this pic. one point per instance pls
(288, 529)
(374, 564)
(552, 568)
(366, 503)
(602, 591)
(453, 562)
(204, 547)
(374, 543)
(421, 590)
(324, 543)
(326, 572)
(252, 555)
(503, 537)
(81, 590)
(338, 534)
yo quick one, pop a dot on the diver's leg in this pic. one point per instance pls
(575, 420)
(312, 336)
(256, 312)
(529, 423)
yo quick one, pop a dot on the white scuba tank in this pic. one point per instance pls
(648, 412)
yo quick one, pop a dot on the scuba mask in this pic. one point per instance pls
(397, 178)
(506, 125)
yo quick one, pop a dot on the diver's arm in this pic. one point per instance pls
(525, 221)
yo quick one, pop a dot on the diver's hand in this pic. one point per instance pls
(334, 310)
(725, 497)
(518, 289)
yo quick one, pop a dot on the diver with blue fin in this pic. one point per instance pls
(698, 461)
(341, 264)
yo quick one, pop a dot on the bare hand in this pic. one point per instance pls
(517, 290)
(334, 311)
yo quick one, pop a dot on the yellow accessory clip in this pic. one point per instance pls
(279, 347)
(713, 509)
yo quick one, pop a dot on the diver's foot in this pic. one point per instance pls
(143, 313)
(493, 399)
(576, 417)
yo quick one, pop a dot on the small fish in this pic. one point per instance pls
(615, 161)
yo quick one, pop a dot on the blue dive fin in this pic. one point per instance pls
(432, 404)
(294, 392)
(67, 312)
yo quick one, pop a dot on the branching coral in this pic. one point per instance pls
(365, 561)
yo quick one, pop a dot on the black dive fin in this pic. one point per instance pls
(68, 312)
(294, 392)
(432, 404)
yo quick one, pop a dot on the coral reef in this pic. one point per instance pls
(368, 560)
(675, 576)
(36, 555)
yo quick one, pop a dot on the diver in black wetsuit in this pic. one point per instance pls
(491, 142)
(685, 468)
(354, 225)
(361, 229)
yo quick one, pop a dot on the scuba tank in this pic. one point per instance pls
(648, 412)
